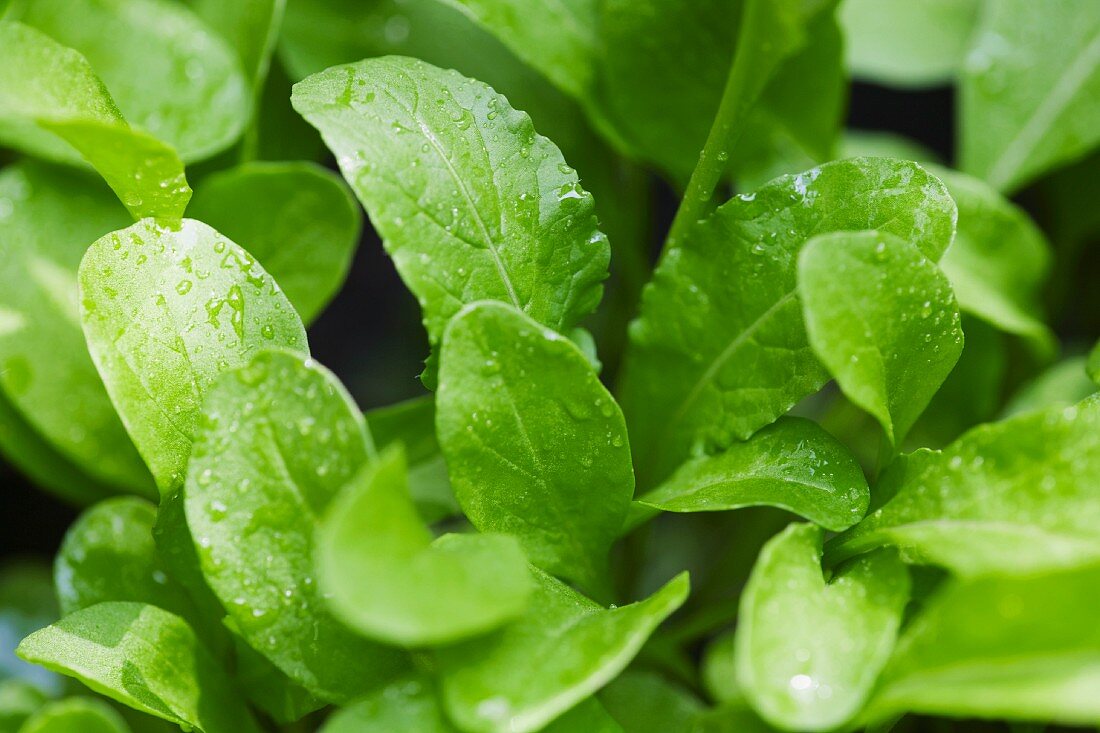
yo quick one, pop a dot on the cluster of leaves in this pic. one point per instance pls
(501, 554)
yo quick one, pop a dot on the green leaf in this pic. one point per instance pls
(165, 311)
(18, 701)
(882, 319)
(1015, 648)
(76, 715)
(999, 260)
(384, 576)
(168, 72)
(48, 91)
(256, 491)
(1092, 366)
(269, 689)
(1030, 89)
(696, 384)
(731, 717)
(718, 669)
(906, 44)
(793, 465)
(45, 370)
(249, 26)
(644, 702)
(412, 425)
(297, 219)
(27, 451)
(469, 201)
(528, 431)
(411, 706)
(557, 37)
(494, 685)
(882, 144)
(1062, 384)
(808, 651)
(144, 657)
(1016, 496)
(108, 554)
(664, 115)
(27, 603)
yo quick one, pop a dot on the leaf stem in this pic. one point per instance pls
(724, 132)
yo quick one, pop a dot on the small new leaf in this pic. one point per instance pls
(793, 465)
(808, 651)
(383, 575)
(883, 320)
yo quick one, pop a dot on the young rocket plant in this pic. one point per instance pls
(834, 401)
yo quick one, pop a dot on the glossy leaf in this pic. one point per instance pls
(460, 224)
(1015, 648)
(1030, 89)
(559, 38)
(108, 554)
(808, 651)
(883, 320)
(269, 689)
(297, 219)
(146, 658)
(76, 715)
(907, 44)
(190, 92)
(528, 431)
(383, 574)
(256, 491)
(793, 464)
(491, 685)
(52, 104)
(165, 311)
(412, 425)
(1016, 496)
(999, 260)
(719, 349)
(45, 370)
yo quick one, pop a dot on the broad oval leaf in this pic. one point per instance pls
(1006, 648)
(165, 311)
(491, 685)
(297, 219)
(276, 442)
(470, 202)
(168, 72)
(76, 715)
(906, 44)
(1017, 496)
(108, 554)
(883, 320)
(45, 370)
(808, 651)
(52, 104)
(792, 464)
(144, 657)
(528, 431)
(249, 26)
(719, 349)
(999, 260)
(1029, 96)
(384, 576)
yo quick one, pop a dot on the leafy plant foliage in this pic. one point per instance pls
(582, 524)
